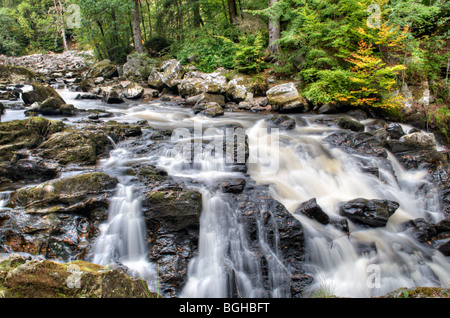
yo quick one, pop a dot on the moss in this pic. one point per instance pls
(10, 73)
(78, 279)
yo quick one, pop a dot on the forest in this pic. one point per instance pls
(340, 51)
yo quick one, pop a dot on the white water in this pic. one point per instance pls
(122, 238)
(302, 167)
(307, 169)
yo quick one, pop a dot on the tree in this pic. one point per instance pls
(60, 11)
(274, 30)
(232, 10)
(137, 28)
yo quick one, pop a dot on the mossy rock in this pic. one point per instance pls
(40, 93)
(77, 192)
(70, 147)
(25, 134)
(419, 292)
(16, 74)
(78, 279)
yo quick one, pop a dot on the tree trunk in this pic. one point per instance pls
(137, 28)
(63, 30)
(197, 19)
(232, 10)
(274, 31)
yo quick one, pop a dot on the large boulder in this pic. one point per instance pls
(286, 98)
(195, 83)
(172, 72)
(40, 93)
(16, 74)
(238, 88)
(281, 121)
(69, 194)
(373, 213)
(172, 216)
(52, 106)
(209, 109)
(24, 277)
(25, 134)
(361, 143)
(70, 147)
(138, 67)
(103, 69)
(133, 91)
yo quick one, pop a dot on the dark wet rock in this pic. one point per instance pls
(312, 210)
(421, 230)
(347, 123)
(22, 277)
(53, 106)
(373, 213)
(111, 96)
(395, 131)
(281, 231)
(88, 96)
(172, 218)
(361, 143)
(281, 121)
(24, 167)
(233, 186)
(40, 93)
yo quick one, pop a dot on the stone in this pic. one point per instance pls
(206, 98)
(133, 91)
(347, 123)
(362, 143)
(394, 131)
(70, 147)
(233, 186)
(373, 213)
(213, 110)
(40, 93)
(111, 96)
(286, 98)
(281, 121)
(312, 210)
(21, 277)
(171, 71)
(71, 194)
(137, 67)
(195, 83)
(25, 134)
(155, 80)
(238, 88)
(103, 69)
(53, 106)
(421, 230)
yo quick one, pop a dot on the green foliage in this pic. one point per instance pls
(106, 27)
(249, 56)
(157, 45)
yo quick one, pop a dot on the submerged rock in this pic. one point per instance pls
(374, 213)
(312, 210)
(281, 121)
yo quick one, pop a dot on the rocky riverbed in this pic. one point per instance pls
(65, 118)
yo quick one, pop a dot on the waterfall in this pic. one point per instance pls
(122, 239)
(226, 265)
(308, 168)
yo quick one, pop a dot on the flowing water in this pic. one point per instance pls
(297, 165)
